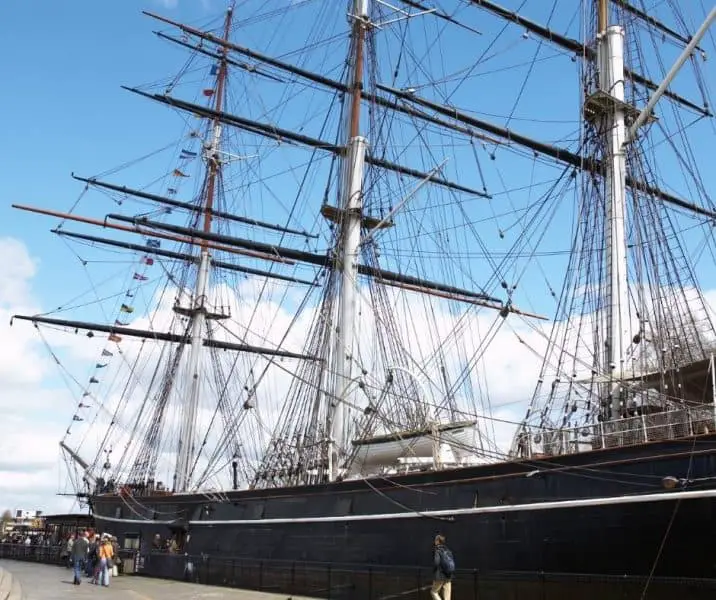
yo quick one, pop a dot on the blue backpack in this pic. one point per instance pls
(447, 562)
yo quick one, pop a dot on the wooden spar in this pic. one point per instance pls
(214, 160)
(321, 260)
(560, 154)
(336, 85)
(169, 21)
(359, 37)
(602, 16)
(162, 336)
(440, 15)
(178, 256)
(458, 298)
(261, 255)
(189, 206)
(654, 23)
(152, 233)
(579, 48)
(273, 132)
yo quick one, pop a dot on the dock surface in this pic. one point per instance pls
(49, 582)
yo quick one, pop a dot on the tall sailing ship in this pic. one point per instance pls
(340, 284)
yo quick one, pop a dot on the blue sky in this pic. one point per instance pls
(63, 112)
(66, 112)
(64, 62)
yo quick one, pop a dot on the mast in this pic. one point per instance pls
(347, 253)
(610, 56)
(198, 312)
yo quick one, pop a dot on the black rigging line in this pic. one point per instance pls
(273, 132)
(644, 16)
(190, 258)
(161, 336)
(440, 15)
(561, 154)
(192, 207)
(580, 49)
(315, 259)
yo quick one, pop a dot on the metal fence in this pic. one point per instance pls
(373, 582)
(656, 427)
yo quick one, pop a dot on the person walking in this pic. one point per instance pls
(443, 569)
(105, 560)
(66, 554)
(93, 558)
(116, 561)
(78, 556)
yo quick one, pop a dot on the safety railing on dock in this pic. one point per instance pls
(374, 582)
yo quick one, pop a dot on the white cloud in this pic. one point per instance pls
(511, 370)
(18, 269)
(40, 408)
(15, 278)
(30, 407)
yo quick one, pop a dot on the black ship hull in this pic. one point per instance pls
(638, 512)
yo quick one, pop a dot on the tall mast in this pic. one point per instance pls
(610, 56)
(198, 312)
(347, 253)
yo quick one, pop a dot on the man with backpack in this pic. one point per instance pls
(444, 567)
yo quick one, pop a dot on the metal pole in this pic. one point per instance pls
(613, 129)
(348, 250)
(712, 366)
(185, 450)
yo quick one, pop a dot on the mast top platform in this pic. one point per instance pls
(601, 103)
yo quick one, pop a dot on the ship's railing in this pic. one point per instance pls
(340, 581)
(655, 427)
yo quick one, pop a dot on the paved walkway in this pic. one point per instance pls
(47, 582)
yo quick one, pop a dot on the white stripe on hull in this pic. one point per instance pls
(454, 512)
